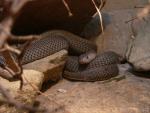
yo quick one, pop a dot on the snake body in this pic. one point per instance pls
(103, 67)
(54, 41)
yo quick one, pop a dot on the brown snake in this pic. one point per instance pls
(103, 67)
(54, 41)
(82, 68)
(85, 65)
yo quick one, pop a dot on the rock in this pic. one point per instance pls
(36, 79)
(51, 66)
(34, 74)
(125, 94)
(114, 5)
(129, 38)
(138, 53)
(93, 28)
(117, 32)
(27, 94)
(41, 15)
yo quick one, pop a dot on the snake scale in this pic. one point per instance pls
(99, 67)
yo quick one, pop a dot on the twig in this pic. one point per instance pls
(138, 7)
(67, 7)
(13, 8)
(145, 11)
(99, 13)
(9, 48)
(5, 74)
(103, 2)
(131, 19)
(38, 91)
(11, 101)
(21, 39)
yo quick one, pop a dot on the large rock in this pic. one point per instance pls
(138, 51)
(42, 15)
(51, 66)
(125, 94)
(126, 36)
(117, 32)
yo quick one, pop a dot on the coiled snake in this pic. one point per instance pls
(85, 65)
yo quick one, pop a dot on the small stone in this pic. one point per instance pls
(62, 90)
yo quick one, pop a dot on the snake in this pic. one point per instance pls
(56, 40)
(103, 67)
(83, 63)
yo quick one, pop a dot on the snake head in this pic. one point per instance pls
(87, 57)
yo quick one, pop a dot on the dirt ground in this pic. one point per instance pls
(125, 94)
